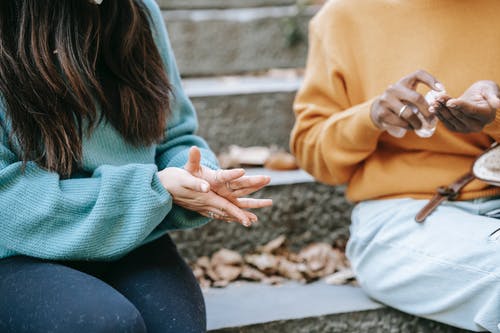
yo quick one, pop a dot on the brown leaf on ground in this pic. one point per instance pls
(281, 161)
(273, 263)
(292, 270)
(341, 277)
(203, 262)
(266, 263)
(227, 272)
(252, 274)
(274, 280)
(320, 259)
(220, 284)
(237, 156)
(226, 257)
(273, 245)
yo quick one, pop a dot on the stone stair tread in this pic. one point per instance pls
(236, 14)
(286, 81)
(242, 304)
(197, 4)
(288, 177)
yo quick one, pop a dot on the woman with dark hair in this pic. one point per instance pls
(98, 161)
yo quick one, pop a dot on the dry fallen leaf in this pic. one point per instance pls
(272, 245)
(265, 262)
(226, 257)
(273, 263)
(227, 272)
(281, 161)
(252, 274)
(238, 156)
(341, 277)
(292, 270)
(320, 259)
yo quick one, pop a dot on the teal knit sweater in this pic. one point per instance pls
(118, 205)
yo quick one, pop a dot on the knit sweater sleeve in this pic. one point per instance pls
(181, 127)
(101, 217)
(331, 137)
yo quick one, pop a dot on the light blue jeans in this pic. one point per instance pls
(446, 269)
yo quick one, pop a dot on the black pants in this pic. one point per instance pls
(150, 290)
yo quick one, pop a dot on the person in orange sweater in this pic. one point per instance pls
(370, 64)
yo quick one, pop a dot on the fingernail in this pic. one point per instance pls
(247, 224)
(439, 86)
(452, 105)
(204, 187)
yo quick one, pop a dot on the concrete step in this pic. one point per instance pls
(237, 110)
(304, 211)
(318, 307)
(221, 4)
(214, 42)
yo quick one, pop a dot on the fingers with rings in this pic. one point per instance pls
(402, 110)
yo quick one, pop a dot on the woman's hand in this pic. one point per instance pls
(393, 107)
(194, 194)
(230, 184)
(470, 112)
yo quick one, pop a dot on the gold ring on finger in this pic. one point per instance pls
(402, 110)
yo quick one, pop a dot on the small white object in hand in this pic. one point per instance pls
(428, 127)
(97, 2)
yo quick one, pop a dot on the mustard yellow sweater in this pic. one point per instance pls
(357, 49)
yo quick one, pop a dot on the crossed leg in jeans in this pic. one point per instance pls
(446, 269)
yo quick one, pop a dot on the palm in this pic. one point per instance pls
(230, 184)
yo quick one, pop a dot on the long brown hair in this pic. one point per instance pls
(60, 59)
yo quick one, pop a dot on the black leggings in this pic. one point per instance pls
(150, 290)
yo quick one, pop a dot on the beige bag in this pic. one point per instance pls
(487, 166)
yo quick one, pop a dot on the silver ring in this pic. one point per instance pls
(211, 214)
(403, 109)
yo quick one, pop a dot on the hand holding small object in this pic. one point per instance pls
(470, 112)
(401, 107)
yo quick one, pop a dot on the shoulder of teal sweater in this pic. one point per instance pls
(152, 6)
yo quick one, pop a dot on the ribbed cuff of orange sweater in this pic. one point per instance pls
(493, 128)
(362, 115)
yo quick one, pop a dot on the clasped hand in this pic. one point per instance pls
(214, 193)
(470, 112)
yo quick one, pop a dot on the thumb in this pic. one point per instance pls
(193, 183)
(493, 101)
(194, 159)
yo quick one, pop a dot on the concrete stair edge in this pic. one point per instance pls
(220, 4)
(286, 81)
(243, 304)
(295, 308)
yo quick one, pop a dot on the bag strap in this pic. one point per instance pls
(443, 193)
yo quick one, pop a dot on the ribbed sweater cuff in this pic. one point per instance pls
(493, 128)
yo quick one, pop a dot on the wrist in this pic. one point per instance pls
(374, 116)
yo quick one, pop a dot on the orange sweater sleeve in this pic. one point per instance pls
(331, 137)
(493, 129)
